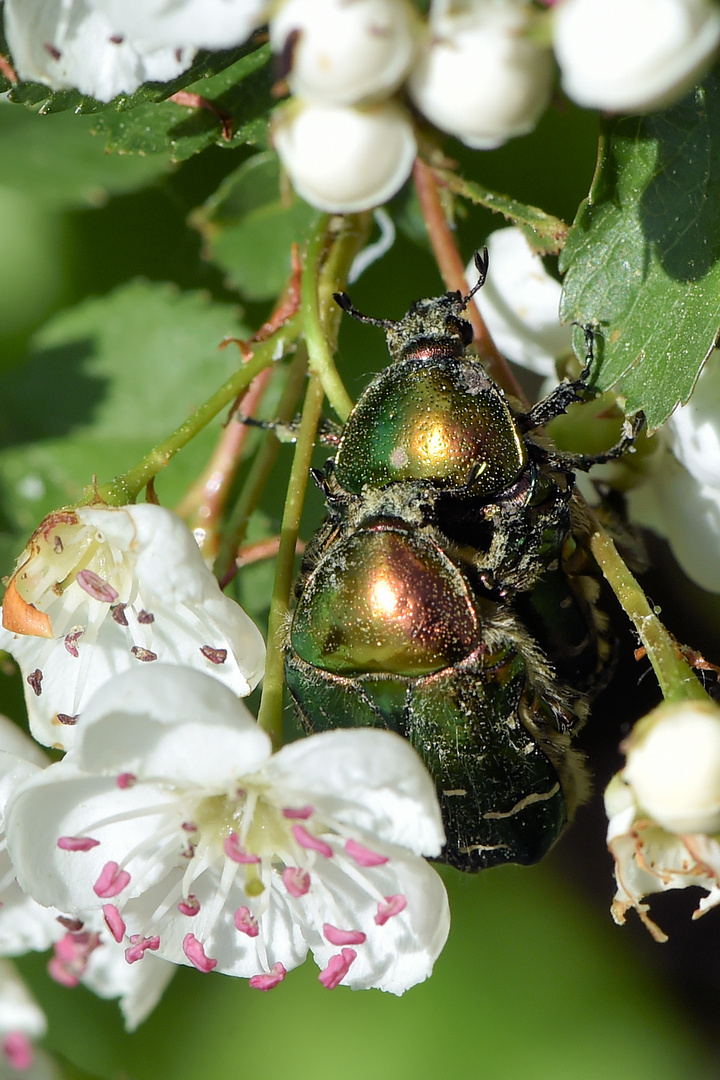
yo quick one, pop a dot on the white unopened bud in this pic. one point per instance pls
(633, 55)
(344, 53)
(673, 767)
(480, 77)
(344, 160)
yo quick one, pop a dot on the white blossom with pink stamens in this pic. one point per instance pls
(99, 590)
(204, 851)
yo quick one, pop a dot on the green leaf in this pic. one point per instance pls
(61, 147)
(205, 65)
(248, 227)
(104, 383)
(642, 259)
(241, 92)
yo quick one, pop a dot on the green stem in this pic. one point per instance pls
(259, 472)
(126, 487)
(328, 257)
(675, 676)
(321, 313)
(270, 714)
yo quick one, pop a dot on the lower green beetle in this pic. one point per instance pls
(447, 597)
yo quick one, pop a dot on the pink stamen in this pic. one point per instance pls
(196, 954)
(364, 856)
(139, 946)
(313, 843)
(73, 925)
(215, 656)
(145, 617)
(112, 881)
(144, 655)
(70, 957)
(189, 906)
(236, 852)
(66, 718)
(297, 881)
(391, 905)
(246, 922)
(118, 614)
(71, 641)
(60, 974)
(269, 981)
(337, 969)
(94, 586)
(77, 843)
(343, 937)
(18, 1050)
(34, 681)
(126, 780)
(302, 812)
(114, 920)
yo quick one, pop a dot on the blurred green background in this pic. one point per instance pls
(536, 981)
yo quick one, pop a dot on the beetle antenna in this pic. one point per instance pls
(343, 300)
(481, 260)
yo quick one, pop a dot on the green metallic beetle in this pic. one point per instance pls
(448, 596)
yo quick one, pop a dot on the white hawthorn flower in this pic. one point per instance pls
(102, 589)
(342, 159)
(519, 304)
(664, 809)
(172, 817)
(633, 55)
(22, 1021)
(649, 859)
(69, 43)
(345, 53)
(200, 24)
(480, 76)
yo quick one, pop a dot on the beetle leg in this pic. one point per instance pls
(631, 430)
(328, 432)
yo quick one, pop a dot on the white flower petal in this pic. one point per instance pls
(171, 723)
(519, 304)
(401, 951)
(694, 429)
(65, 43)
(18, 1009)
(686, 513)
(370, 780)
(202, 24)
(139, 986)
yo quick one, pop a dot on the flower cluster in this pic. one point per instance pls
(169, 833)
(363, 74)
(664, 810)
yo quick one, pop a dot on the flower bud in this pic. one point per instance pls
(344, 160)
(480, 77)
(633, 55)
(673, 766)
(345, 53)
